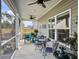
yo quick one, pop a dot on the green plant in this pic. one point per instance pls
(73, 41)
(33, 37)
(36, 32)
(32, 34)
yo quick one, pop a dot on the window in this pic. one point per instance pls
(52, 33)
(62, 27)
(28, 24)
(62, 35)
(63, 19)
(51, 28)
(51, 23)
(59, 26)
(44, 26)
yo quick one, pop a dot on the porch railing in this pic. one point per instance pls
(8, 47)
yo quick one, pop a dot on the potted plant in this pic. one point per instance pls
(73, 43)
(33, 37)
(36, 32)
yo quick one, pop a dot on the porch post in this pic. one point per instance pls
(0, 29)
(55, 28)
(21, 29)
(55, 34)
(17, 29)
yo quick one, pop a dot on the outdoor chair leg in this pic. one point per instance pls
(44, 53)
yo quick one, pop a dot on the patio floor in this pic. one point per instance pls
(29, 52)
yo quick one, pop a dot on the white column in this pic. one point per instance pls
(55, 34)
(47, 29)
(55, 28)
(0, 34)
(35, 24)
(21, 29)
(39, 29)
(70, 23)
(17, 29)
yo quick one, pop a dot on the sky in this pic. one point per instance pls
(5, 8)
(28, 23)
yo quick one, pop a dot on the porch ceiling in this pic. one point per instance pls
(36, 10)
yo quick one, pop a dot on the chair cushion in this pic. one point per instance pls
(49, 50)
(52, 48)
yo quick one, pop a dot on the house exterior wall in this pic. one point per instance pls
(62, 6)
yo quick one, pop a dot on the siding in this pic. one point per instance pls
(62, 6)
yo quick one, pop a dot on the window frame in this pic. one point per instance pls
(55, 16)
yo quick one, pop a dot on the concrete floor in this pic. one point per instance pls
(29, 52)
(6, 56)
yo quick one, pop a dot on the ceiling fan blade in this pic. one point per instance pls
(46, 0)
(43, 5)
(40, 1)
(32, 3)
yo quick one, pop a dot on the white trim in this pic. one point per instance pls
(70, 23)
(47, 29)
(21, 31)
(17, 28)
(69, 10)
(55, 28)
(64, 11)
(61, 13)
(5, 42)
(13, 54)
